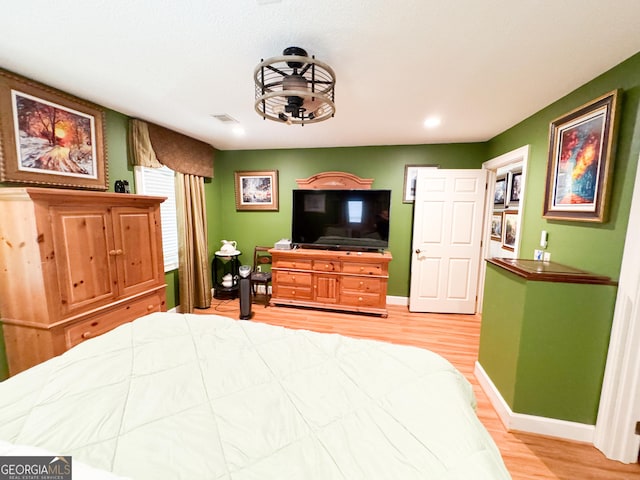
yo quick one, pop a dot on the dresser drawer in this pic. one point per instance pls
(103, 322)
(297, 264)
(362, 268)
(356, 299)
(362, 284)
(292, 278)
(293, 293)
(326, 266)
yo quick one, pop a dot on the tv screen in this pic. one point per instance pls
(341, 219)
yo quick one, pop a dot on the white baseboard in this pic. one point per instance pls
(392, 300)
(520, 422)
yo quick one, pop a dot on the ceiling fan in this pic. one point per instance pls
(294, 88)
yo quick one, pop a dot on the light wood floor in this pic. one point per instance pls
(456, 338)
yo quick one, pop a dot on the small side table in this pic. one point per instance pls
(224, 273)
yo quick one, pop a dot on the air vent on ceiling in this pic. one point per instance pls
(224, 118)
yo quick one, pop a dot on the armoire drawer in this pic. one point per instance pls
(103, 322)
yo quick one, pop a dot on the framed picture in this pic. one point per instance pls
(514, 188)
(256, 190)
(48, 137)
(581, 153)
(496, 226)
(509, 229)
(499, 194)
(410, 178)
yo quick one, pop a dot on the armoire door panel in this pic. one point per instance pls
(85, 270)
(138, 265)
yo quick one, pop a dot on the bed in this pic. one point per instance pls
(173, 396)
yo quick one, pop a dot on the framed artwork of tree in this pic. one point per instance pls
(49, 137)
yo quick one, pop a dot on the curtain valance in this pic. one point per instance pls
(177, 151)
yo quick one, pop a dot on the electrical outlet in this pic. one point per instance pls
(547, 256)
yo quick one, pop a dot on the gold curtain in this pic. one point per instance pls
(142, 153)
(194, 270)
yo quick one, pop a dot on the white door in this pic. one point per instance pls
(447, 232)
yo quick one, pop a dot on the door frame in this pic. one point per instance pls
(517, 156)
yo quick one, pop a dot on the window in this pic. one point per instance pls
(161, 182)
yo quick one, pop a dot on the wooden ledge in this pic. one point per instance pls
(539, 271)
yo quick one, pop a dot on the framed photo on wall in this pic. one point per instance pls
(49, 137)
(410, 178)
(496, 226)
(500, 191)
(514, 188)
(256, 190)
(581, 155)
(509, 229)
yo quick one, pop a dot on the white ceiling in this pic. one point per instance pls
(481, 65)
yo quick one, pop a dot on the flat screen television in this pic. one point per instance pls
(341, 219)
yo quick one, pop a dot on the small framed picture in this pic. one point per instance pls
(515, 188)
(499, 194)
(496, 226)
(256, 190)
(510, 229)
(410, 178)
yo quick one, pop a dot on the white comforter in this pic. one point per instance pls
(174, 396)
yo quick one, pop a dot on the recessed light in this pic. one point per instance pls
(432, 122)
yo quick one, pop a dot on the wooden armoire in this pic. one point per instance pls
(73, 265)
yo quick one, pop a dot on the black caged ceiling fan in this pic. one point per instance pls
(294, 88)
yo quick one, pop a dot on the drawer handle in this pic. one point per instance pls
(361, 283)
(150, 307)
(86, 335)
(359, 299)
(362, 269)
(113, 253)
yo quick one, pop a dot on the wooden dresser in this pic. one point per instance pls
(73, 265)
(349, 281)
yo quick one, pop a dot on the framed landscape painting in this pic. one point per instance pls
(496, 226)
(48, 137)
(581, 157)
(256, 190)
(510, 230)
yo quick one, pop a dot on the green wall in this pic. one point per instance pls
(579, 327)
(593, 247)
(544, 344)
(385, 164)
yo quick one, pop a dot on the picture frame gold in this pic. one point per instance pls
(580, 161)
(256, 190)
(48, 137)
(496, 226)
(509, 229)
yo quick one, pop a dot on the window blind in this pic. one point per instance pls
(161, 182)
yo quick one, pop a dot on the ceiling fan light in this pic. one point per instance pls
(294, 84)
